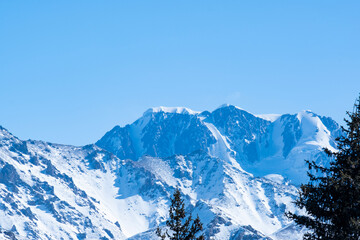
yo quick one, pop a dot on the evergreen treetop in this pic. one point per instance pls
(332, 196)
(181, 228)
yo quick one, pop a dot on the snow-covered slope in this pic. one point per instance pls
(233, 168)
(51, 191)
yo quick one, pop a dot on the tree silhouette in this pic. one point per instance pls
(180, 227)
(332, 196)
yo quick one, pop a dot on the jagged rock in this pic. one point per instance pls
(9, 175)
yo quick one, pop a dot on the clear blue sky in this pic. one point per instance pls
(71, 70)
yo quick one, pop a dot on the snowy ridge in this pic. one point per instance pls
(178, 110)
(272, 117)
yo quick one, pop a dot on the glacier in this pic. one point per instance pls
(238, 171)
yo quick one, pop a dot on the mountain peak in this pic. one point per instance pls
(306, 114)
(3, 129)
(4, 133)
(178, 110)
(226, 105)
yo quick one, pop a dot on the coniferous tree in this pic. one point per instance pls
(332, 196)
(181, 228)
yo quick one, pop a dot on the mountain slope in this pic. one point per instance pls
(56, 191)
(42, 187)
(226, 163)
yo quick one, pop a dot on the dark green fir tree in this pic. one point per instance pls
(180, 227)
(331, 198)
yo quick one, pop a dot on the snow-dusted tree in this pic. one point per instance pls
(180, 227)
(332, 196)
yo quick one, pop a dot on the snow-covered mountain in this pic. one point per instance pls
(235, 170)
(263, 144)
